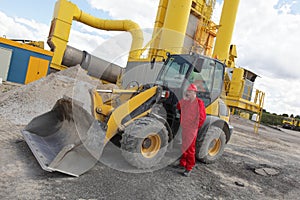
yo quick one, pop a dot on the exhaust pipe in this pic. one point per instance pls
(95, 66)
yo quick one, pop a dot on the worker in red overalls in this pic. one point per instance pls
(191, 119)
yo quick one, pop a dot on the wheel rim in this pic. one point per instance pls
(151, 145)
(214, 147)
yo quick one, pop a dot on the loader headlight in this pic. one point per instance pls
(165, 94)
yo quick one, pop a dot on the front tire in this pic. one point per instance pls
(211, 147)
(144, 142)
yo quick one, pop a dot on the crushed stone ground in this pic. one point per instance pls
(232, 177)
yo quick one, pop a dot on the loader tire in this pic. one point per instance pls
(144, 142)
(210, 147)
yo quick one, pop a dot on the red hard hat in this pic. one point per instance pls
(192, 87)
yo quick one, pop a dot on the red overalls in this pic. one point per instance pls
(191, 119)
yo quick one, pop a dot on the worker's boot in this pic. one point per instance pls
(187, 173)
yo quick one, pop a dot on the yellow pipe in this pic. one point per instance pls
(161, 13)
(224, 35)
(159, 22)
(175, 24)
(65, 12)
(114, 25)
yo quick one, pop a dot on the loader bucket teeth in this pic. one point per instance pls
(66, 139)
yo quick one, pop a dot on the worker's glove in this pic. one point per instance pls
(177, 113)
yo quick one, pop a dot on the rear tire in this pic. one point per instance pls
(144, 142)
(211, 147)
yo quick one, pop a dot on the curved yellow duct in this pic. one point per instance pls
(113, 25)
(65, 12)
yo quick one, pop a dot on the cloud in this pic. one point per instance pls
(84, 41)
(21, 28)
(267, 39)
(282, 95)
(288, 6)
(142, 12)
(81, 36)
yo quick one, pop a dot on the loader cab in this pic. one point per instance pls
(179, 71)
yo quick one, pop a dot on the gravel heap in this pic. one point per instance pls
(21, 105)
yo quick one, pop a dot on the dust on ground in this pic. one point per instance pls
(234, 176)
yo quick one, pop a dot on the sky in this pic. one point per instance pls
(266, 34)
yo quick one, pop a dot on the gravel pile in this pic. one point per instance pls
(21, 105)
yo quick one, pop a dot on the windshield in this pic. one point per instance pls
(174, 72)
(205, 73)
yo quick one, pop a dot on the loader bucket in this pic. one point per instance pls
(66, 139)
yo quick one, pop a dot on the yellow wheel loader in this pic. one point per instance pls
(142, 120)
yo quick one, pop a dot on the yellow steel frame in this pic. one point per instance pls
(101, 110)
(123, 110)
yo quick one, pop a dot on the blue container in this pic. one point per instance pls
(28, 63)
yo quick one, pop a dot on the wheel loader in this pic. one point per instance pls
(142, 118)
